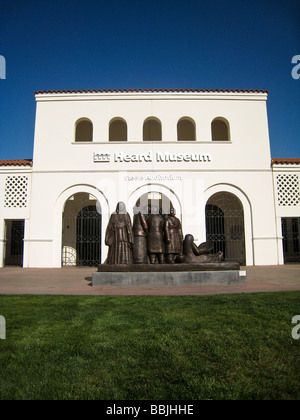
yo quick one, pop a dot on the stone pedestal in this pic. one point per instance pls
(168, 275)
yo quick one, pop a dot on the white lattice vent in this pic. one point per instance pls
(288, 191)
(16, 191)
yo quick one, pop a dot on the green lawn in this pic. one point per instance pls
(149, 347)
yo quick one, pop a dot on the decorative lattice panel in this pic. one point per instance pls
(16, 191)
(288, 191)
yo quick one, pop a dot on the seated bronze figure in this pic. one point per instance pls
(198, 254)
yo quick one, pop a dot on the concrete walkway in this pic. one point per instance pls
(77, 281)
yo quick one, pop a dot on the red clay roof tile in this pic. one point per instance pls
(16, 162)
(28, 162)
(152, 90)
(285, 161)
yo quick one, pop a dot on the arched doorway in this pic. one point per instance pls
(225, 226)
(81, 231)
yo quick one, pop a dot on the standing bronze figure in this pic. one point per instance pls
(156, 235)
(119, 237)
(140, 230)
(174, 237)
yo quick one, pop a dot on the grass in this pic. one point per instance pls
(150, 348)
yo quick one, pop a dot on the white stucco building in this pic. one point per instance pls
(205, 152)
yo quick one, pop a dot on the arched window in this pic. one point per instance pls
(152, 129)
(118, 130)
(186, 129)
(220, 130)
(84, 130)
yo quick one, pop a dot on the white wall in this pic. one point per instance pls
(287, 203)
(57, 113)
(241, 165)
(14, 213)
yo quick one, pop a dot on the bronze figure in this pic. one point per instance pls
(140, 230)
(174, 237)
(156, 235)
(153, 238)
(198, 254)
(119, 237)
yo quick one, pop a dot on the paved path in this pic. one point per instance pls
(77, 281)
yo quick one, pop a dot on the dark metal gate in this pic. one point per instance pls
(291, 240)
(14, 242)
(81, 232)
(225, 226)
(88, 237)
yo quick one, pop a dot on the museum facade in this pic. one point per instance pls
(206, 153)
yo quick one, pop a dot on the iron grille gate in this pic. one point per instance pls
(81, 235)
(225, 226)
(291, 239)
(88, 237)
(14, 242)
(17, 238)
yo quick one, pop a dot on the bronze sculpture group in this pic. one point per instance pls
(152, 238)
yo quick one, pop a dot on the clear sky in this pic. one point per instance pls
(191, 44)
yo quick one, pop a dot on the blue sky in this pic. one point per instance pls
(95, 44)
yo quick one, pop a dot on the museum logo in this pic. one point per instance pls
(2, 67)
(149, 157)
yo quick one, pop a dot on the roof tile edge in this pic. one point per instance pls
(16, 162)
(42, 92)
(285, 161)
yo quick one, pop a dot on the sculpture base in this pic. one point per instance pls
(150, 268)
(168, 275)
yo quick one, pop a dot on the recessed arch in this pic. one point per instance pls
(247, 210)
(220, 129)
(117, 129)
(81, 231)
(152, 129)
(186, 129)
(102, 207)
(225, 226)
(83, 130)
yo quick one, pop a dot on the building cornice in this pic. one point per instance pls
(155, 91)
(285, 161)
(249, 94)
(16, 162)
